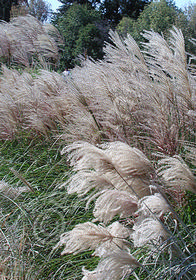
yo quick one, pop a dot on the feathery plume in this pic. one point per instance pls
(11, 192)
(83, 155)
(88, 236)
(176, 173)
(120, 233)
(152, 205)
(148, 232)
(129, 161)
(116, 155)
(118, 165)
(114, 266)
(112, 203)
(85, 180)
(89, 275)
(27, 37)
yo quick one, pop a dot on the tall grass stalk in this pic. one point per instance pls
(120, 196)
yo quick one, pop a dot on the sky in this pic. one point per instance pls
(179, 3)
(54, 3)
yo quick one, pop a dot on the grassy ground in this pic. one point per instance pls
(36, 219)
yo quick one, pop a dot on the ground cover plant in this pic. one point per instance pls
(33, 218)
(99, 165)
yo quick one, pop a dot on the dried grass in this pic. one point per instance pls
(145, 98)
(106, 171)
(25, 41)
(105, 112)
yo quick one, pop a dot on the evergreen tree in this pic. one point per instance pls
(159, 16)
(83, 32)
(115, 10)
(67, 3)
(111, 10)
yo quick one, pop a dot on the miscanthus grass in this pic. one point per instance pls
(32, 221)
(26, 42)
(148, 238)
(115, 198)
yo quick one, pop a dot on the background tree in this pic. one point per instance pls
(159, 16)
(84, 33)
(115, 10)
(111, 10)
(67, 3)
(40, 9)
(190, 12)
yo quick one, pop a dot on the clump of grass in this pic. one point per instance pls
(26, 42)
(32, 223)
(143, 97)
(106, 111)
(151, 241)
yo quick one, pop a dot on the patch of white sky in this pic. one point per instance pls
(184, 3)
(55, 4)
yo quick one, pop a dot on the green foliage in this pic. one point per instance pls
(190, 12)
(188, 212)
(41, 216)
(115, 10)
(129, 26)
(24, 154)
(83, 34)
(159, 16)
(67, 3)
(89, 42)
(111, 10)
(85, 24)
